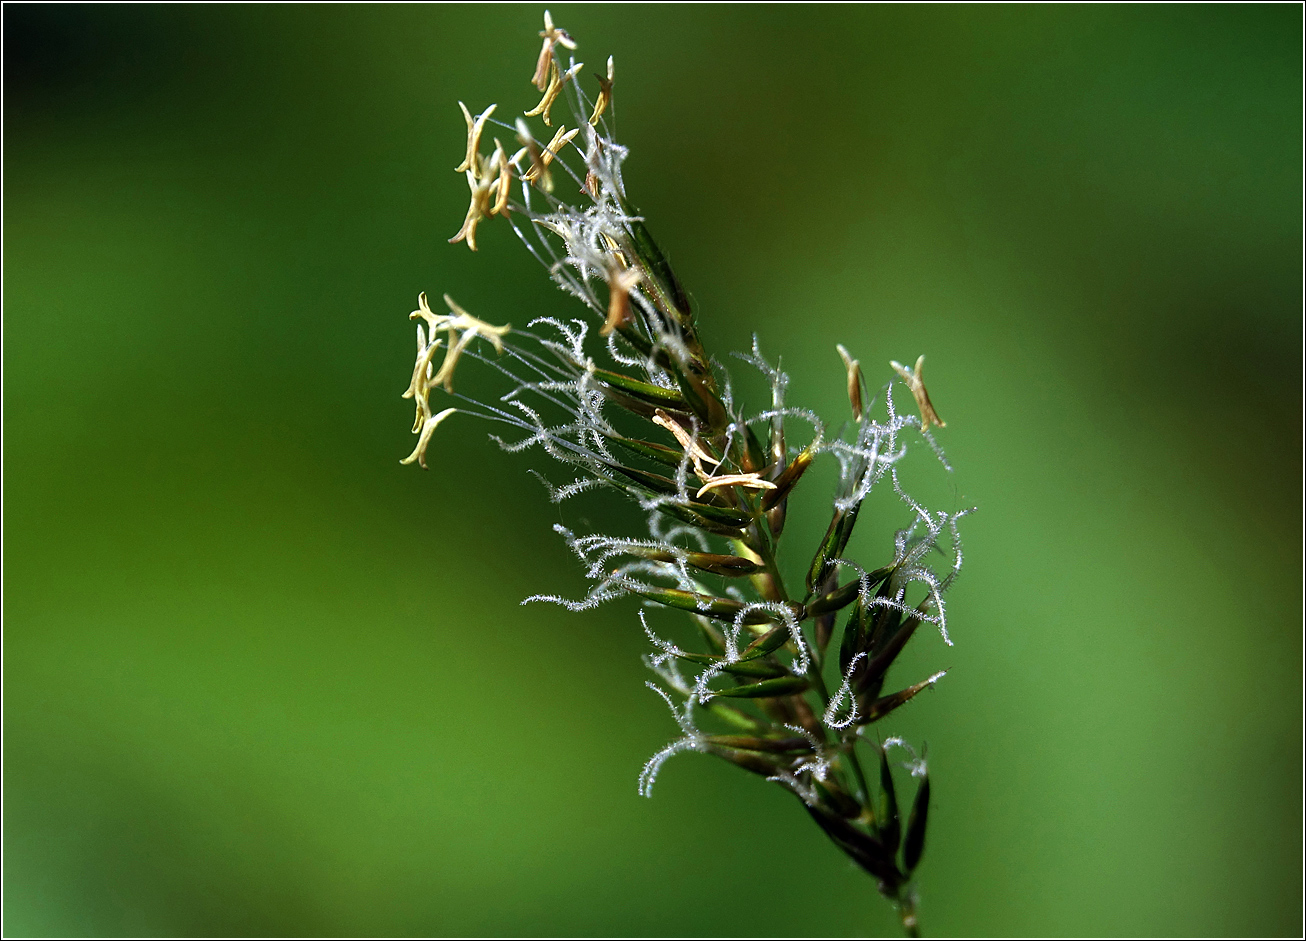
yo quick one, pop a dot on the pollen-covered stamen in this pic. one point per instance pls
(474, 131)
(917, 386)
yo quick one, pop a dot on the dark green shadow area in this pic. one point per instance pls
(261, 680)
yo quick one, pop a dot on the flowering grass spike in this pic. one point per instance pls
(753, 674)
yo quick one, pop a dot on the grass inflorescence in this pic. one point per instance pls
(642, 408)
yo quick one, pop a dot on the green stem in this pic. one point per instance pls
(762, 548)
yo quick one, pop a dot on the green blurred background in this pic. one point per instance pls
(260, 678)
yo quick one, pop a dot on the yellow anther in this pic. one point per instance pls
(478, 207)
(550, 95)
(540, 160)
(614, 248)
(531, 148)
(619, 284)
(605, 94)
(428, 427)
(551, 35)
(917, 386)
(856, 382)
(474, 130)
(736, 480)
(500, 206)
(434, 321)
(593, 152)
(554, 89)
(560, 139)
(461, 328)
(465, 322)
(687, 443)
(419, 389)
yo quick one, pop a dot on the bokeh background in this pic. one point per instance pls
(260, 678)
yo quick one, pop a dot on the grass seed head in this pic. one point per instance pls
(638, 406)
